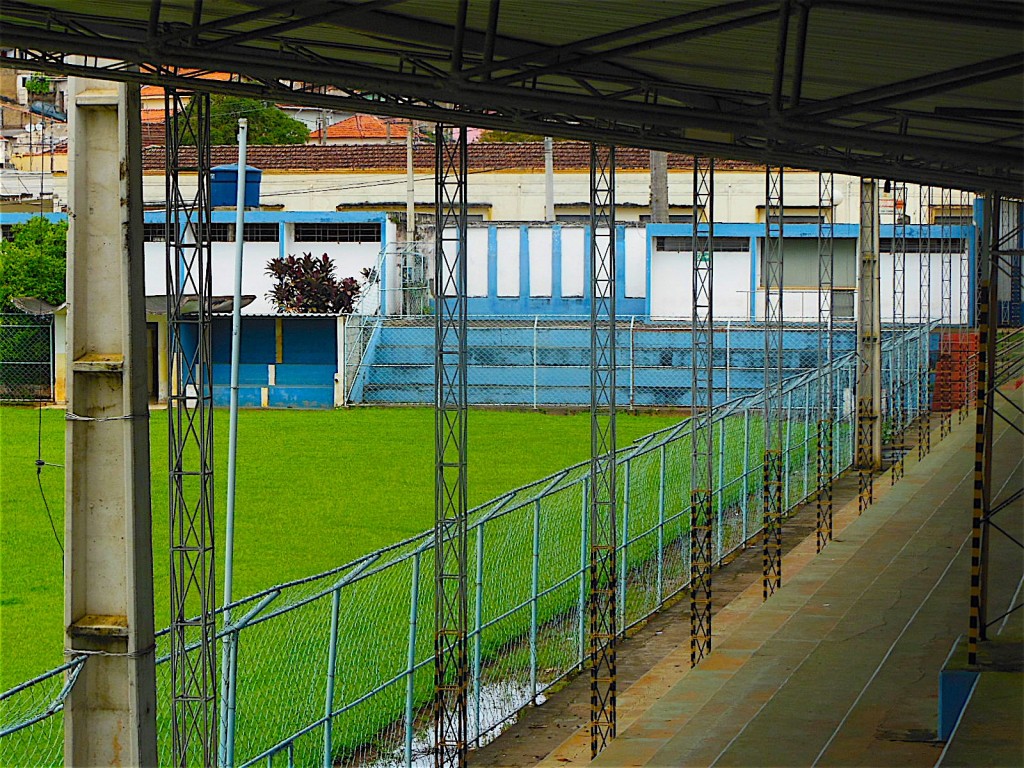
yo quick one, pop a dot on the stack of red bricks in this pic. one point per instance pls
(956, 373)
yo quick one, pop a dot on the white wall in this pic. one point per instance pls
(349, 259)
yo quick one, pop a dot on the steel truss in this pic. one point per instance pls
(392, 63)
(924, 261)
(451, 669)
(190, 427)
(1002, 241)
(773, 413)
(966, 321)
(603, 579)
(900, 407)
(826, 405)
(868, 346)
(944, 384)
(701, 359)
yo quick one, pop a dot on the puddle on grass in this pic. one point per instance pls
(496, 701)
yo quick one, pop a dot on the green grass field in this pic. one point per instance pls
(315, 490)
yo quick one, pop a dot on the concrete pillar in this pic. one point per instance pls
(110, 715)
(869, 333)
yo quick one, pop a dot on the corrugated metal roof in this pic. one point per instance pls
(925, 91)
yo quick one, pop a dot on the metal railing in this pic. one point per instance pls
(337, 668)
(540, 361)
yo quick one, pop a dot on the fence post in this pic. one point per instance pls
(332, 660)
(661, 528)
(632, 364)
(344, 359)
(410, 681)
(534, 589)
(788, 457)
(720, 487)
(623, 560)
(536, 319)
(746, 470)
(478, 611)
(584, 563)
(728, 360)
(806, 422)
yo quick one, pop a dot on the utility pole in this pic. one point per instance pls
(110, 713)
(410, 185)
(549, 179)
(659, 189)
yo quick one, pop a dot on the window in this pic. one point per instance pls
(673, 218)
(154, 233)
(357, 232)
(683, 244)
(921, 245)
(221, 233)
(261, 233)
(5, 231)
(842, 305)
(573, 218)
(800, 263)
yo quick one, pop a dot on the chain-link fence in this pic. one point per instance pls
(544, 361)
(26, 357)
(337, 669)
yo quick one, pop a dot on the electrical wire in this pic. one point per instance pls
(39, 479)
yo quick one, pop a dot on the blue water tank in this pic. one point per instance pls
(224, 186)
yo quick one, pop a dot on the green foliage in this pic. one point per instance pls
(267, 123)
(306, 284)
(510, 136)
(38, 85)
(34, 262)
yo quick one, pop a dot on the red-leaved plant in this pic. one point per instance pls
(307, 284)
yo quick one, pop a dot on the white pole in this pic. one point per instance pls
(410, 185)
(549, 179)
(227, 692)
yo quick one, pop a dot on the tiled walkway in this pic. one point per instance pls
(841, 666)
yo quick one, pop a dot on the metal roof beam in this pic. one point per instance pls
(645, 45)
(949, 80)
(993, 13)
(555, 53)
(314, 13)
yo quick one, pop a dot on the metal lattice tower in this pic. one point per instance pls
(826, 406)
(451, 670)
(899, 318)
(1002, 240)
(603, 580)
(924, 260)
(702, 394)
(868, 347)
(943, 382)
(190, 427)
(966, 321)
(773, 427)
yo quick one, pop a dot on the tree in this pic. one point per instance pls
(512, 137)
(308, 284)
(267, 123)
(34, 262)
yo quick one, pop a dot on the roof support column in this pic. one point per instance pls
(869, 347)
(826, 401)
(604, 621)
(110, 714)
(772, 502)
(702, 402)
(451, 672)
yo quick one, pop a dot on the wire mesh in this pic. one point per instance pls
(527, 591)
(543, 361)
(26, 357)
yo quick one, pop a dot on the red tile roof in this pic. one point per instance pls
(364, 127)
(156, 90)
(568, 156)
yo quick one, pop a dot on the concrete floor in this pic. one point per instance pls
(841, 666)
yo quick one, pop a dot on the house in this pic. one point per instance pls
(361, 129)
